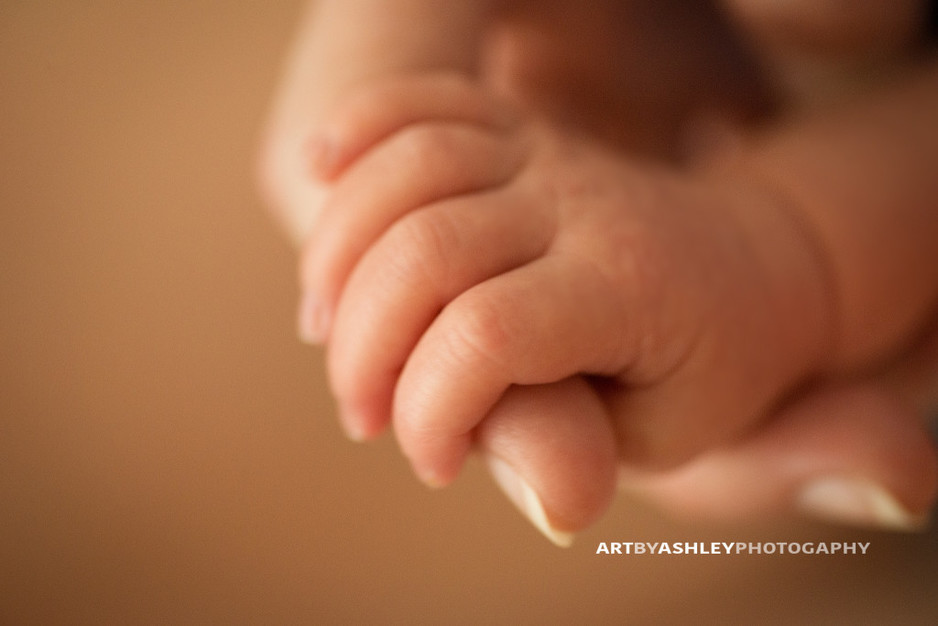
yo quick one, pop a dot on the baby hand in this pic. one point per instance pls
(461, 255)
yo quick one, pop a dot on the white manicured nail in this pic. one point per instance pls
(858, 502)
(526, 499)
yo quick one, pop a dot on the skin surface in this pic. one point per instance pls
(743, 303)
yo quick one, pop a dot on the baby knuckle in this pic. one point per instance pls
(482, 332)
(422, 243)
(626, 262)
(368, 105)
(646, 256)
(643, 265)
(428, 147)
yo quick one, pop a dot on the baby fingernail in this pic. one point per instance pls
(430, 478)
(857, 502)
(526, 499)
(312, 320)
(351, 425)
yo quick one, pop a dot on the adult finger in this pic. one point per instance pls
(852, 454)
(552, 451)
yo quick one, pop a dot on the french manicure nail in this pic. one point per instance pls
(858, 502)
(312, 320)
(526, 500)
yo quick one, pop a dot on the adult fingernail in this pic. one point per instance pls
(312, 320)
(857, 502)
(526, 500)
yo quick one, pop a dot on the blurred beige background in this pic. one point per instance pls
(168, 453)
